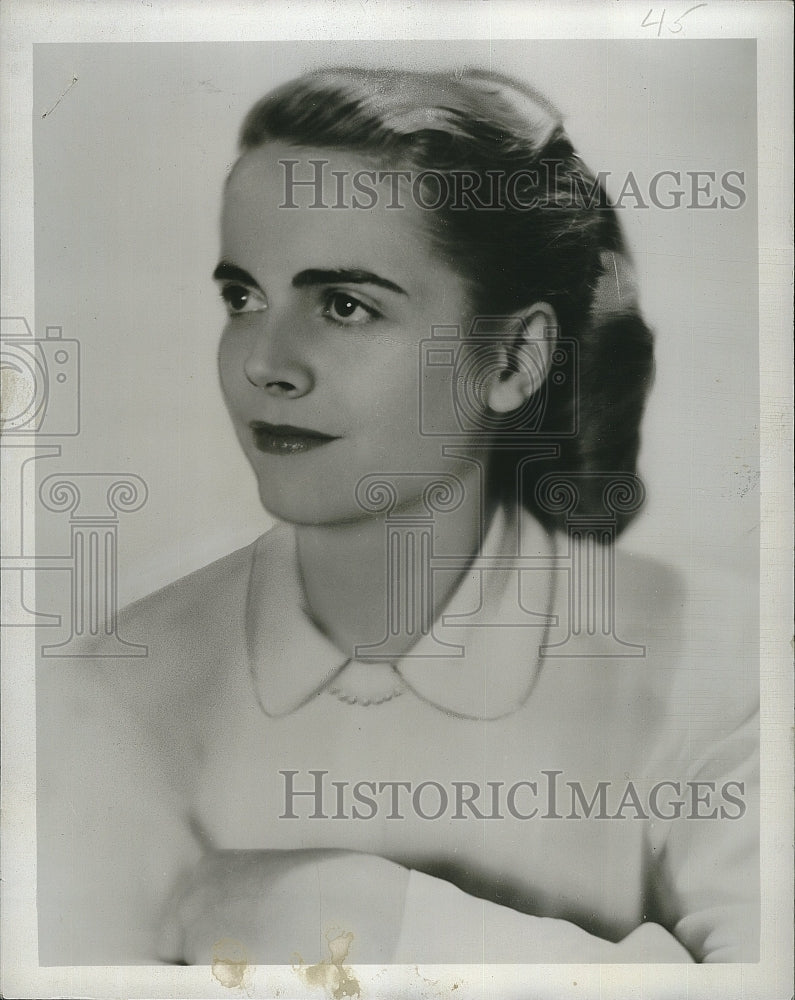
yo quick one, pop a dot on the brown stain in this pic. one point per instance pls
(14, 393)
(336, 978)
(440, 988)
(230, 964)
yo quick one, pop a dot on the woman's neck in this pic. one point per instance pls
(365, 578)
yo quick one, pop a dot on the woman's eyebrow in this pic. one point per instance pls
(227, 271)
(354, 276)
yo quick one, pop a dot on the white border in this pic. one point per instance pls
(25, 22)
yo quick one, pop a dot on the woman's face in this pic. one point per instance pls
(320, 358)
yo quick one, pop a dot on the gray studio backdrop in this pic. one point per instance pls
(128, 172)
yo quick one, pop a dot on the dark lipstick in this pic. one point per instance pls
(284, 439)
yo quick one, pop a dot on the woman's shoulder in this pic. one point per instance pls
(160, 663)
(693, 601)
(192, 602)
(698, 625)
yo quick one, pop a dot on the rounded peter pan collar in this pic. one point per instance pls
(495, 640)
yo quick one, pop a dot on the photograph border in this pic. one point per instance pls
(25, 23)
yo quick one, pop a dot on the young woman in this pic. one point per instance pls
(432, 709)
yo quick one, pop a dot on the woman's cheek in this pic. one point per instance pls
(230, 368)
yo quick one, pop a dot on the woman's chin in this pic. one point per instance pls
(307, 507)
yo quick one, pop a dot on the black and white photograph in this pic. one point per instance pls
(397, 523)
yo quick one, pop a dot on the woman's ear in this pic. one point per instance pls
(525, 359)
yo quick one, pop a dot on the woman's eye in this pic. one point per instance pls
(241, 299)
(347, 310)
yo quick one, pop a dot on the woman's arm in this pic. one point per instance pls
(443, 924)
(281, 907)
(705, 877)
(704, 873)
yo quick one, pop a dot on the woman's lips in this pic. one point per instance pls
(284, 439)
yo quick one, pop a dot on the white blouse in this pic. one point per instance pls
(584, 806)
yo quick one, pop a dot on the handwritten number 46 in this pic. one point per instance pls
(675, 27)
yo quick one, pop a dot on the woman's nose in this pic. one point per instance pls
(275, 370)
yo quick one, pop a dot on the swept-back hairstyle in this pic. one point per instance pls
(548, 233)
